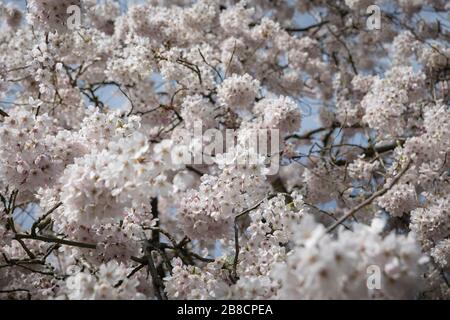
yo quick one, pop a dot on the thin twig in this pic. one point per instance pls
(56, 240)
(37, 223)
(370, 199)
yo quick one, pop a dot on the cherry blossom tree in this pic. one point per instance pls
(129, 170)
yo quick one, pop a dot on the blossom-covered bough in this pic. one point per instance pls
(115, 182)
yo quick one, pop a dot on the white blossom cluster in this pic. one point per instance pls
(109, 283)
(50, 14)
(28, 160)
(392, 97)
(238, 92)
(323, 260)
(265, 239)
(209, 212)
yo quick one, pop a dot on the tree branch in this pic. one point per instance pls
(370, 199)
